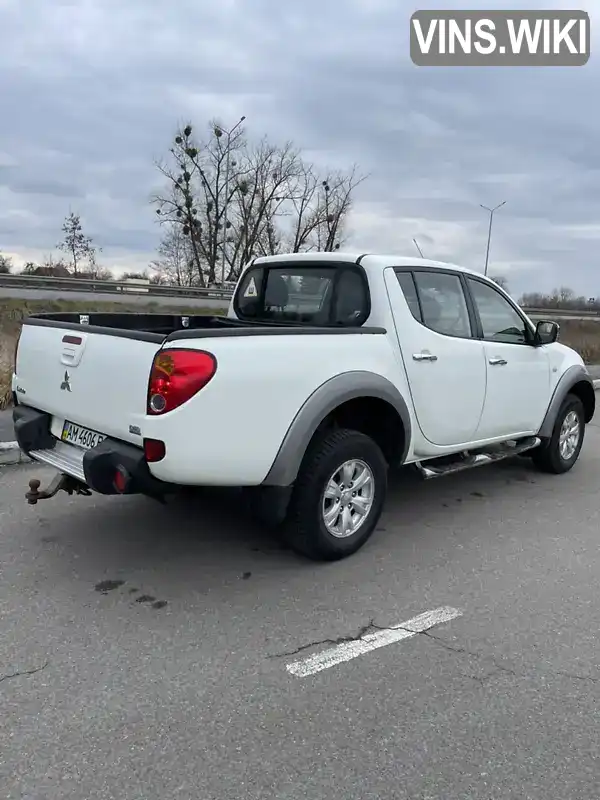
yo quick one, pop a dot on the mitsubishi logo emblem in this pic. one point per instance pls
(65, 385)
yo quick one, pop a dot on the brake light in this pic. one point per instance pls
(176, 376)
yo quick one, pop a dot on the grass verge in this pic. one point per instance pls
(581, 335)
(13, 311)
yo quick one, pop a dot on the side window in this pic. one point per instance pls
(443, 303)
(499, 320)
(407, 284)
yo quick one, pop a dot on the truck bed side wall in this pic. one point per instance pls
(230, 433)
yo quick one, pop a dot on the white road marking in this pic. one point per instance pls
(371, 641)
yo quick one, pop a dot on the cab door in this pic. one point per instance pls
(518, 374)
(444, 362)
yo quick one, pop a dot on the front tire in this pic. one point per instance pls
(338, 496)
(560, 452)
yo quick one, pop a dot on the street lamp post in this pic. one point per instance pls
(491, 213)
(227, 165)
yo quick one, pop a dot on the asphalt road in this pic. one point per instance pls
(113, 297)
(143, 649)
(6, 426)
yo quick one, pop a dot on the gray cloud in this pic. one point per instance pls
(91, 93)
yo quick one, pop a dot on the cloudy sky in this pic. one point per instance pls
(91, 91)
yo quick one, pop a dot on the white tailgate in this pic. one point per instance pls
(99, 383)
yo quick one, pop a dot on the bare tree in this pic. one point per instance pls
(76, 244)
(334, 203)
(197, 195)
(273, 198)
(5, 264)
(566, 295)
(305, 218)
(94, 271)
(287, 205)
(269, 183)
(560, 298)
(175, 262)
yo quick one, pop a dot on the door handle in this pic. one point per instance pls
(501, 362)
(424, 357)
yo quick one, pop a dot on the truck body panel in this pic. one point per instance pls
(236, 429)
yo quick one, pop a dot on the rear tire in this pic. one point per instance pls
(560, 452)
(338, 496)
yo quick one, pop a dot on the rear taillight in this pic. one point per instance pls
(177, 375)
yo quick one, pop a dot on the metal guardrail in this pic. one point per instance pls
(29, 282)
(549, 313)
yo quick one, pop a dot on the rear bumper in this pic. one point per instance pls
(96, 467)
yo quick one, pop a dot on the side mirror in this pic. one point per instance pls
(546, 332)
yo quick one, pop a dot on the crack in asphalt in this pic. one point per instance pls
(574, 677)
(371, 626)
(437, 639)
(498, 667)
(33, 671)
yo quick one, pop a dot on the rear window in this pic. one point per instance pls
(313, 295)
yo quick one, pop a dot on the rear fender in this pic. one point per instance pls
(330, 395)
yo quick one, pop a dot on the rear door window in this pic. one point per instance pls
(437, 300)
(407, 284)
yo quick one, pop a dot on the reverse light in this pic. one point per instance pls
(176, 376)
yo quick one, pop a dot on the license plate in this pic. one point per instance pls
(81, 437)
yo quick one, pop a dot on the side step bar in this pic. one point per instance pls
(436, 468)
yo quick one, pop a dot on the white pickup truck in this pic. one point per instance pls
(328, 370)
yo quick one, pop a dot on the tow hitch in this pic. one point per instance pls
(60, 482)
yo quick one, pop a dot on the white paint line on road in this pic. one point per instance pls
(346, 651)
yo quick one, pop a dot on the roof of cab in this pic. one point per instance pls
(367, 260)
